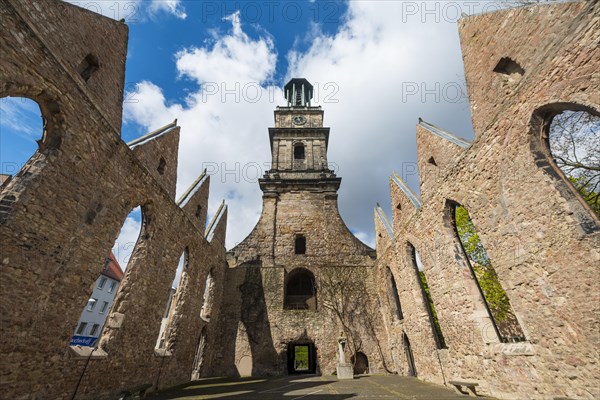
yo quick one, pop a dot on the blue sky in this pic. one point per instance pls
(218, 67)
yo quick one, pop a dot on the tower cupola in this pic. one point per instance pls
(298, 92)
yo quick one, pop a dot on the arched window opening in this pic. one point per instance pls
(393, 293)
(198, 211)
(573, 138)
(175, 291)
(103, 293)
(429, 306)
(162, 165)
(88, 66)
(509, 68)
(410, 358)
(243, 351)
(300, 292)
(199, 356)
(300, 244)
(497, 302)
(21, 126)
(207, 304)
(299, 151)
(360, 363)
(96, 311)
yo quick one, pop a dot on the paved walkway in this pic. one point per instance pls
(310, 388)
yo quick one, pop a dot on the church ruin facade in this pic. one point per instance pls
(279, 302)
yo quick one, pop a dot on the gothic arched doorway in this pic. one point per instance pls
(361, 363)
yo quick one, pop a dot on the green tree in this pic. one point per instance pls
(436, 321)
(495, 296)
(574, 140)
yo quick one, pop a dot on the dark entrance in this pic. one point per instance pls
(301, 358)
(361, 364)
(410, 360)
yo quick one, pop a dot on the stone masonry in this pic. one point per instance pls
(540, 235)
(60, 215)
(279, 302)
(300, 199)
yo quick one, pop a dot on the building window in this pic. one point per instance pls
(209, 288)
(300, 292)
(94, 330)
(88, 66)
(299, 151)
(427, 300)
(104, 307)
(573, 138)
(91, 304)
(509, 68)
(393, 290)
(81, 328)
(162, 164)
(496, 299)
(300, 244)
(112, 286)
(101, 282)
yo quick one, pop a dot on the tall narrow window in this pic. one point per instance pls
(111, 274)
(167, 321)
(299, 151)
(91, 304)
(199, 356)
(433, 317)
(300, 244)
(393, 292)
(209, 288)
(94, 330)
(505, 322)
(101, 282)
(81, 328)
(162, 164)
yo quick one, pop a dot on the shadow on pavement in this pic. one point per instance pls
(289, 387)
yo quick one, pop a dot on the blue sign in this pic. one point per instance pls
(86, 341)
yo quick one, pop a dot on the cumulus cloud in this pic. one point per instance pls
(173, 7)
(380, 72)
(224, 123)
(384, 70)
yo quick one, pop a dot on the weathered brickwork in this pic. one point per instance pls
(541, 237)
(61, 214)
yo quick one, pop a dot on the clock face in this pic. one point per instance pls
(299, 120)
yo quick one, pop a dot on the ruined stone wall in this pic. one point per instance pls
(61, 214)
(541, 238)
(256, 281)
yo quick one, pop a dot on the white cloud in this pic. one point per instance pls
(22, 116)
(375, 60)
(169, 6)
(224, 123)
(364, 76)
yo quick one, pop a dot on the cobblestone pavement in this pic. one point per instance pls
(307, 388)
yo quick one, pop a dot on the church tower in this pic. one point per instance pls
(299, 146)
(277, 317)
